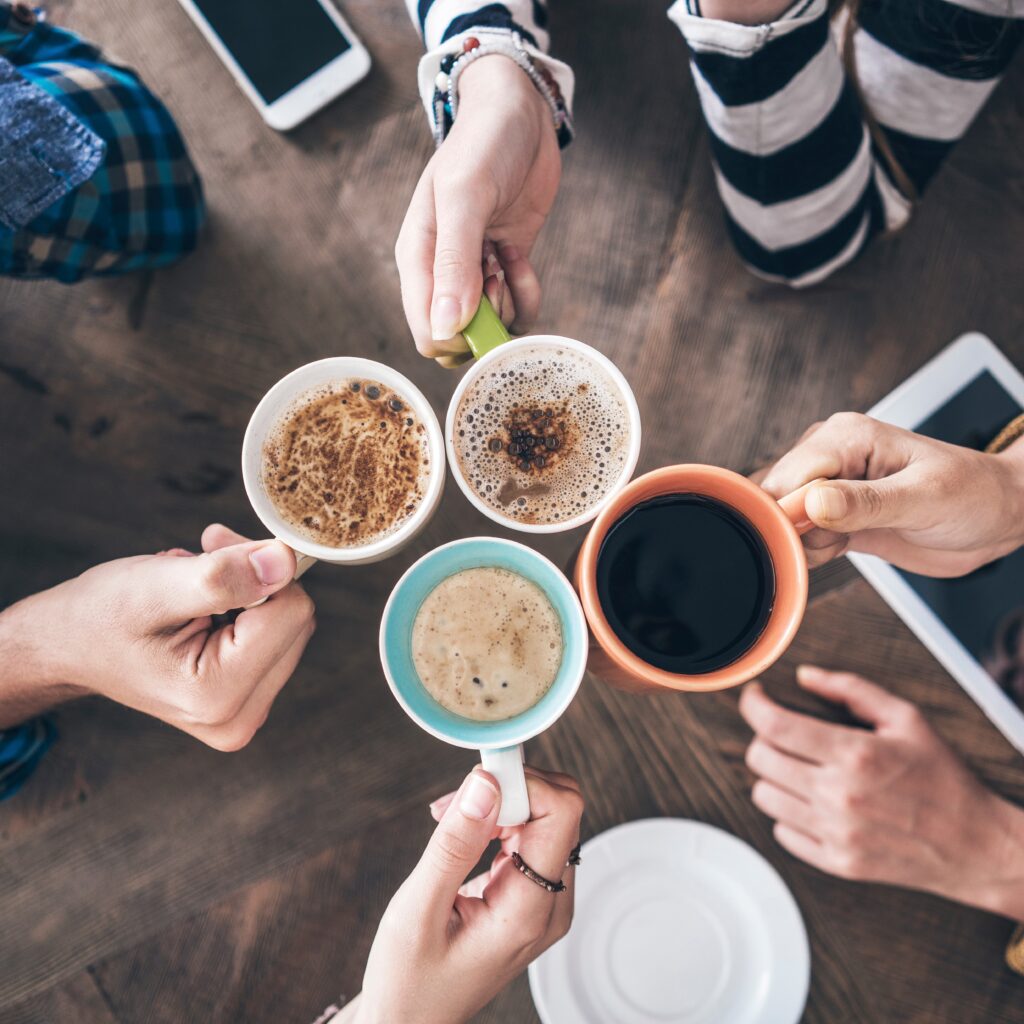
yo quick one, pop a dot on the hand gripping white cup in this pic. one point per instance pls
(500, 742)
(542, 431)
(287, 396)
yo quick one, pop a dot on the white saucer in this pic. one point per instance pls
(677, 922)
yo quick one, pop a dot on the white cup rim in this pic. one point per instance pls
(477, 367)
(266, 414)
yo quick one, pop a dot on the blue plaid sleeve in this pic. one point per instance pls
(143, 206)
(20, 751)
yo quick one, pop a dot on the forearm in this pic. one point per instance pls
(1012, 462)
(32, 678)
(745, 12)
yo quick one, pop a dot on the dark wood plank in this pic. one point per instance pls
(145, 878)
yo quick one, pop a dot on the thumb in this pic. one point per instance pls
(847, 506)
(458, 842)
(219, 581)
(458, 276)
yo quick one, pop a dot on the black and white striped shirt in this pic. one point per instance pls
(804, 182)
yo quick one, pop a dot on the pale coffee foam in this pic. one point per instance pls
(576, 427)
(347, 464)
(487, 644)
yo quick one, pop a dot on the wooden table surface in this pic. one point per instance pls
(144, 877)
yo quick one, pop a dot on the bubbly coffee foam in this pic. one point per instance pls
(542, 436)
(487, 644)
(347, 463)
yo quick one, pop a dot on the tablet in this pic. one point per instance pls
(974, 625)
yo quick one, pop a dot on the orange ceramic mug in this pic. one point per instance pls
(779, 525)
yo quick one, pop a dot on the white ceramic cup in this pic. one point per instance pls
(281, 398)
(506, 350)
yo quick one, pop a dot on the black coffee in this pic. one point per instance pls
(686, 583)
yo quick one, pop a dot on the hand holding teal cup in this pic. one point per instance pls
(500, 742)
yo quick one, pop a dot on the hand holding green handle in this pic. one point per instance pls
(485, 331)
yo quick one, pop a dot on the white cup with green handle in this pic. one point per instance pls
(495, 352)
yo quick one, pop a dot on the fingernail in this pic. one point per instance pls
(831, 503)
(478, 798)
(444, 317)
(271, 563)
(492, 264)
(810, 672)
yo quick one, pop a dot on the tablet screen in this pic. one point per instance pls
(985, 610)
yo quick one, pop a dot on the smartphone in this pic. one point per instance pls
(290, 57)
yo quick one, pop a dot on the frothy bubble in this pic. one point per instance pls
(543, 435)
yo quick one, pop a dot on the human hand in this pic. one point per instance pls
(495, 177)
(926, 506)
(446, 947)
(140, 631)
(891, 803)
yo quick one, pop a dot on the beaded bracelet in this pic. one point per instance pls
(446, 85)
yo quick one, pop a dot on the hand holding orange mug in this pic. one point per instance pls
(692, 578)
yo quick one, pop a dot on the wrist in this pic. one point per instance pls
(495, 83)
(34, 677)
(1011, 460)
(997, 883)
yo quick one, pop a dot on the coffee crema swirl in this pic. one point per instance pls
(347, 464)
(542, 435)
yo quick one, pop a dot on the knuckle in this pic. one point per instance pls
(847, 799)
(449, 850)
(573, 805)
(848, 863)
(872, 498)
(909, 717)
(535, 931)
(213, 583)
(230, 738)
(848, 422)
(448, 261)
(427, 347)
(772, 723)
(758, 794)
(850, 838)
(861, 760)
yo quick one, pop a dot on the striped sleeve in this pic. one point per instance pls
(802, 181)
(20, 751)
(444, 24)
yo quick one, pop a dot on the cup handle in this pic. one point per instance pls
(302, 563)
(793, 506)
(506, 765)
(485, 331)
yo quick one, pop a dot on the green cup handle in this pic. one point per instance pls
(485, 331)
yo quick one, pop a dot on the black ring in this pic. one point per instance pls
(574, 857)
(532, 875)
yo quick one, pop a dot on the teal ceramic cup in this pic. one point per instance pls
(500, 743)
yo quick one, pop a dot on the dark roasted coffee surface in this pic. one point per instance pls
(348, 464)
(686, 583)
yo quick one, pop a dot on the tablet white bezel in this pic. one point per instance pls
(920, 395)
